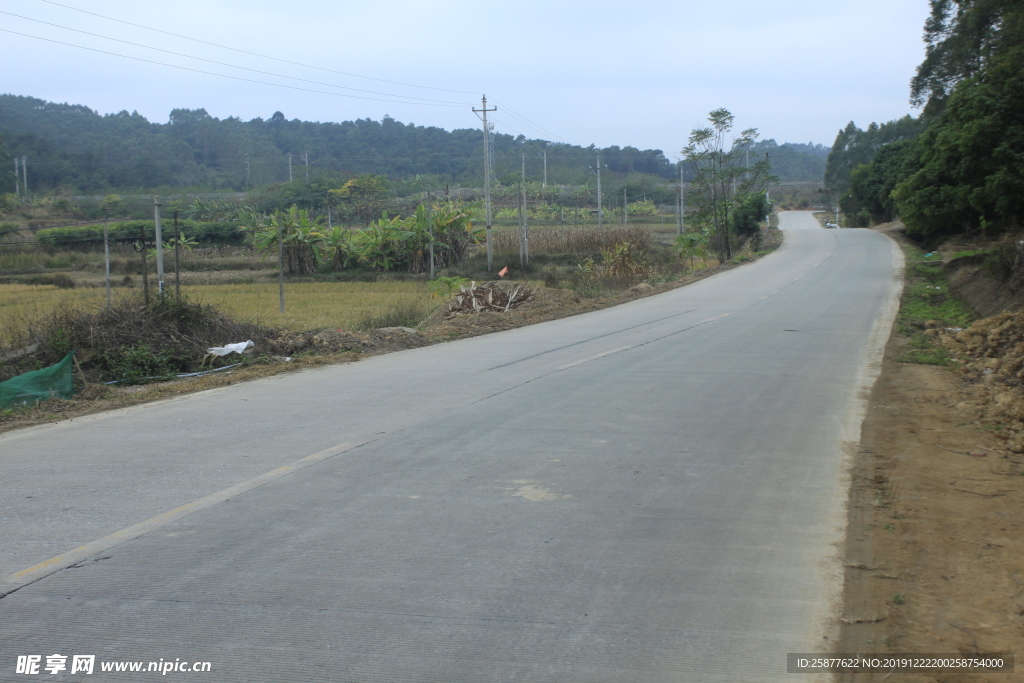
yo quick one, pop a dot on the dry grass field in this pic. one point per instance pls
(308, 305)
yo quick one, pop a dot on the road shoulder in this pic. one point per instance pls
(933, 557)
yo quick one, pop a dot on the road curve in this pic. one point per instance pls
(650, 492)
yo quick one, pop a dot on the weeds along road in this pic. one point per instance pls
(650, 492)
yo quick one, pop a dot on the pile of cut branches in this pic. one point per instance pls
(489, 296)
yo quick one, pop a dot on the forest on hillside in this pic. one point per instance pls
(956, 168)
(72, 147)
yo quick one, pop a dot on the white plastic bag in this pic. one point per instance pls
(230, 348)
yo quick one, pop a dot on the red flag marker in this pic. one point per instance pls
(503, 272)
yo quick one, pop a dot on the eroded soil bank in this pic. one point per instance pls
(934, 556)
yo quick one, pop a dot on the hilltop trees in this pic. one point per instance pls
(958, 167)
(963, 38)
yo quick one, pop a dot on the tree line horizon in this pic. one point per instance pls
(74, 147)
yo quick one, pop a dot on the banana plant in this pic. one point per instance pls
(340, 247)
(381, 244)
(694, 245)
(301, 238)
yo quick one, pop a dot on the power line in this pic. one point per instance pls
(526, 122)
(233, 66)
(254, 54)
(237, 78)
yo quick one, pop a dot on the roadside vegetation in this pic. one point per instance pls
(927, 305)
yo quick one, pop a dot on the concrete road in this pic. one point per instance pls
(651, 492)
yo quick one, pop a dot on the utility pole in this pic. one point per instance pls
(600, 222)
(545, 183)
(177, 256)
(106, 260)
(280, 266)
(329, 226)
(625, 208)
(145, 267)
(487, 179)
(682, 201)
(248, 177)
(522, 214)
(305, 156)
(430, 228)
(17, 178)
(24, 173)
(159, 248)
(289, 167)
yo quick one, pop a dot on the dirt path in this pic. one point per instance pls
(934, 557)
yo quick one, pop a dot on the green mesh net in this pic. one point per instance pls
(56, 381)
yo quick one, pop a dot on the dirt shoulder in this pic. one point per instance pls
(934, 554)
(314, 348)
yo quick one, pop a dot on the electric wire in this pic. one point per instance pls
(237, 78)
(233, 66)
(254, 54)
(527, 122)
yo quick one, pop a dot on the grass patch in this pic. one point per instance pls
(308, 305)
(926, 300)
(403, 314)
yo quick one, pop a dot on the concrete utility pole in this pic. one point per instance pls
(289, 167)
(487, 179)
(679, 201)
(682, 201)
(17, 178)
(524, 255)
(625, 208)
(106, 260)
(600, 222)
(545, 183)
(280, 266)
(305, 156)
(177, 257)
(24, 173)
(159, 248)
(430, 228)
(248, 177)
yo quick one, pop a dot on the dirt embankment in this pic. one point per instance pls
(974, 284)
(935, 549)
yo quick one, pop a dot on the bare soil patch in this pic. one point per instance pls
(935, 552)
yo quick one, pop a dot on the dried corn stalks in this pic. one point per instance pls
(489, 296)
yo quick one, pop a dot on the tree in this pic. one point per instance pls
(301, 236)
(751, 209)
(854, 147)
(365, 197)
(6, 172)
(967, 165)
(962, 37)
(721, 178)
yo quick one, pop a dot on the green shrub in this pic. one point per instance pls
(126, 231)
(135, 364)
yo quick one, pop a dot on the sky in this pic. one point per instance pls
(609, 73)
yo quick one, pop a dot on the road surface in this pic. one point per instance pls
(650, 492)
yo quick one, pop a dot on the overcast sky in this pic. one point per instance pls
(642, 73)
